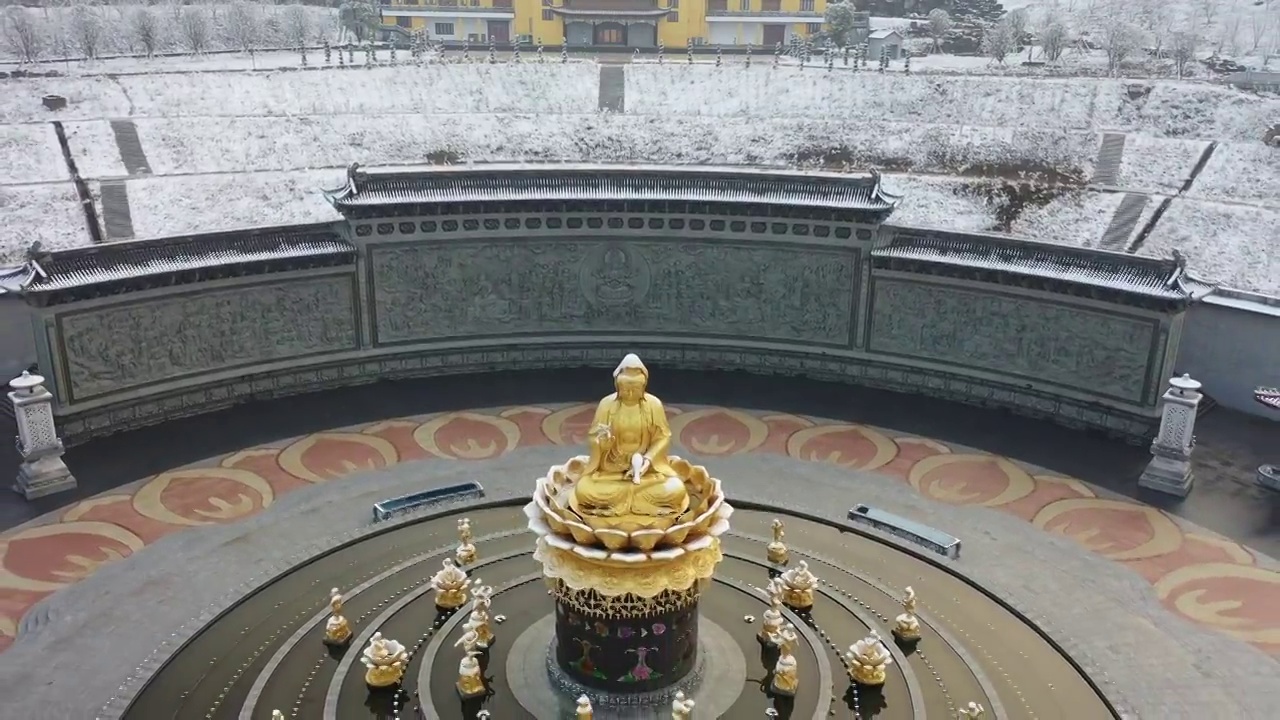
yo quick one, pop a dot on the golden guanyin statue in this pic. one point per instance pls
(337, 631)
(628, 483)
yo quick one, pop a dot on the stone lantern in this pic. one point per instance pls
(1170, 468)
(42, 471)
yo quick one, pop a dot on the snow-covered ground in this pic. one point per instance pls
(236, 149)
(1077, 217)
(1236, 245)
(30, 154)
(940, 202)
(49, 214)
(1244, 172)
(193, 145)
(163, 206)
(1158, 164)
(572, 87)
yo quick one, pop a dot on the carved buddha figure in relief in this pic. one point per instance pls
(628, 483)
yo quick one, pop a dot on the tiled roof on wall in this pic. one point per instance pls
(225, 252)
(1149, 277)
(504, 183)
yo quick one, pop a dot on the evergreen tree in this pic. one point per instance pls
(718, 57)
(986, 10)
(328, 53)
(540, 58)
(748, 54)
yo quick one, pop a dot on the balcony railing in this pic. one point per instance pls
(764, 13)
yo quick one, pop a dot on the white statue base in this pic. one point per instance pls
(42, 476)
(1168, 475)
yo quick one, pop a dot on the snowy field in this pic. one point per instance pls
(1078, 217)
(49, 214)
(569, 88)
(187, 145)
(1232, 244)
(1242, 172)
(30, 154)
(1158, 165)
(238, 149)
(188, 204)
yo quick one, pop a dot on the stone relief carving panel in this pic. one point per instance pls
(770, 292)
(130, 345)
(1039, 341)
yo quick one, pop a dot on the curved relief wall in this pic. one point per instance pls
(463, 270)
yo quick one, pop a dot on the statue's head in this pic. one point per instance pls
(630, 379)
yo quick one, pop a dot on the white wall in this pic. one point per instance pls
(1232, 345)
(736, 34)
(17, 346)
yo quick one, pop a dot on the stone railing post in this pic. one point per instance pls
(1170, 468)
(42, 471)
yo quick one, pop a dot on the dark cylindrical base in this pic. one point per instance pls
(626, 652)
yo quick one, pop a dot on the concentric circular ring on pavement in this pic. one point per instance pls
(265, 653)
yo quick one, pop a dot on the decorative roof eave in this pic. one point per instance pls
(83, 272)
(400, 186)
(1164, 280)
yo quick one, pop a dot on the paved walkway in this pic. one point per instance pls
(1194, 572)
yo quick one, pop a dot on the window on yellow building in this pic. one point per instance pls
(502, 3)
(673, 17)
(771, 5)
(717, 5)
(745, 5)
(548, 15)
(404, 22)
(444, 28)
(813, 28)
(806, 5)
(674, 4)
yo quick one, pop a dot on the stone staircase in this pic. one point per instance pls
(1120, 229)
(613, 88)
(117, 223)
(1106, 171)
(130, 147)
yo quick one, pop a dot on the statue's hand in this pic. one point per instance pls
(602, 433)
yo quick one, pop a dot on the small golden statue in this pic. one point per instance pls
(681, 707)
(470, 680)
(786, 679)
(466, 552)
(451, 585)
(798, 587)
(776, 550)
(385, 660)
(867, 660)
(973, 711)
(478, 622)
(585, 712)
(907, 626)
(771, 622)
(277, 715)
(627, 483)
(337, 632)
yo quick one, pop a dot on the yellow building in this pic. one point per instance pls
(610, 23)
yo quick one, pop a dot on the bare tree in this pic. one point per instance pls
(1182, 48)
(296, 25)
(144, 28)
(1120, 39)
(998, 41)
(195, 28)
(1260, 24)
(1229, 35)
(1054, 36)
(1209, 9)
(242, 24)
(940, 24)
(1018, 21)
(88, 30)
(23, 34)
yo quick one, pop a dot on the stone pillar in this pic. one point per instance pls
(42, 471)
(1170, 468)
